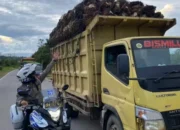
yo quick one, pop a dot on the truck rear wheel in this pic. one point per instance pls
(114, 123)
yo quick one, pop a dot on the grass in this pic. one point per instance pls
(6, 70)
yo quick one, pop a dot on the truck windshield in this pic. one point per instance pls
(153, 58)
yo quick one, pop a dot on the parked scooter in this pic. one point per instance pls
(52, 115)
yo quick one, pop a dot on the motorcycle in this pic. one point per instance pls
(52, 115)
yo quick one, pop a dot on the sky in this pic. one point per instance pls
(24, 22)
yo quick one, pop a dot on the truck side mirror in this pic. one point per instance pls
(123, 65)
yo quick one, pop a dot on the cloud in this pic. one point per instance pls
(23, 6)
(5, 10)
(53, 17)
(167, 9)
(6, 39)
(23, 46)
(15, 30)
(26, 21)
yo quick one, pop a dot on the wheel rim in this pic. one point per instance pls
(113, 127)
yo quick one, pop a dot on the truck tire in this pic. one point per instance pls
(71, 113)
(67, 126)
(74, 114)
(114, 123)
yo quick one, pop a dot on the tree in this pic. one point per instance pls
(43, 55)
(0, 64)
(41, 42)
(176, 57)
(7, 62)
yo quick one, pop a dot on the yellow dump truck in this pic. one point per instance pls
(124, 70)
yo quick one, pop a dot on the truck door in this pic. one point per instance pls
(117, 91)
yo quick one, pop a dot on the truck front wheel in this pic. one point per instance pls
(114, 123)
(72, 113)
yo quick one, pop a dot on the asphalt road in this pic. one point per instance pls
(8, 86)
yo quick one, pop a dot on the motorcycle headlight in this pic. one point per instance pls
(152, 120)
(54, 115)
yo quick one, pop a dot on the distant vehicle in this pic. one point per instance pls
(26, 61)
(39, 68)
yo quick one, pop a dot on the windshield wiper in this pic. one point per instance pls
(166, 74)
(142, 79)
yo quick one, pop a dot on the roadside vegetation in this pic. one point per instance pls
(6, 70)
(43, 54)
(7, 64)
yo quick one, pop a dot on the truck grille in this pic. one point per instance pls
(172, 119)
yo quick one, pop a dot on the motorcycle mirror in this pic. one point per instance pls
(65, 87)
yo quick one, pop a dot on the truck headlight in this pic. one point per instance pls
(54, 115)
(154, 125)
(152, 119)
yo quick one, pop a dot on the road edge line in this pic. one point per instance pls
(6, 75)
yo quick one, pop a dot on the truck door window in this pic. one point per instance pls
(111, 54)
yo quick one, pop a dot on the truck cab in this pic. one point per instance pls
(140, 82)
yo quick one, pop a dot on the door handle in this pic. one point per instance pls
(106, 91)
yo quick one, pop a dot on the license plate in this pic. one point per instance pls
(52, 104)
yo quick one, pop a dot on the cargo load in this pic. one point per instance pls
(76, 20)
